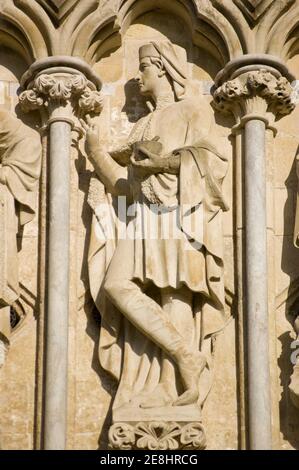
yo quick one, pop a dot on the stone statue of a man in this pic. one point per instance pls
(20, 163)
(160, 296)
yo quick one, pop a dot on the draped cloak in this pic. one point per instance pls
(296, 227)
(20, 164)
(195, 192)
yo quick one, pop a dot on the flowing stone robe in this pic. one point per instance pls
(20, 164)
(294, 385)
(296, 226)
(184, 127)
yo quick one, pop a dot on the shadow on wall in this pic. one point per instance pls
(135, 105)
(289, 414)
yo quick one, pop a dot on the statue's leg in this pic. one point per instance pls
(178, 303)
(177, 307)
(148, 316)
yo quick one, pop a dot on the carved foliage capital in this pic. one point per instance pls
(53, 91)
(237, 95)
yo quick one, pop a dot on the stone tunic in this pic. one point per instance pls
(163, 253)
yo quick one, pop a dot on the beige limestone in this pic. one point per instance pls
(110, 47)
(158, 400)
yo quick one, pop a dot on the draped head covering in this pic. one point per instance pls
(174, 59)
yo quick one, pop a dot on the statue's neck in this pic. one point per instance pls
(164, 100)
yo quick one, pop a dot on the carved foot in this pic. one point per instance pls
(157, 436)
(294, 387)
(187, 398)
(191, 367)
(160, 397)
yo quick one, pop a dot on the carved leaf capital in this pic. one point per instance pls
(237, 93)
(53, 88)
(30, 100)
(51, 91)
(91, 101)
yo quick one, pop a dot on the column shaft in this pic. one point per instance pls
(57, 287)
(259, 402)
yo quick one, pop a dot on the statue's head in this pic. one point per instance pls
(159, 62)
(151, 70)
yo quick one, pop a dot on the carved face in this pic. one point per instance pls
(148, 77)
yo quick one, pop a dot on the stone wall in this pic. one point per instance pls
(107, 36)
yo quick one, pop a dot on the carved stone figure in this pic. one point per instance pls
(161, 298)
(20, 161)
(294, 384)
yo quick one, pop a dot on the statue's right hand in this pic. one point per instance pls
(92, 134)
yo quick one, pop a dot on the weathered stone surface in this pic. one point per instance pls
(107, 35)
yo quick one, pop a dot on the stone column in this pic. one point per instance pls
(256, 281)
(64, 89)
(256, 94)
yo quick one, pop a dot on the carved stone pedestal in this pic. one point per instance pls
(167, 428)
